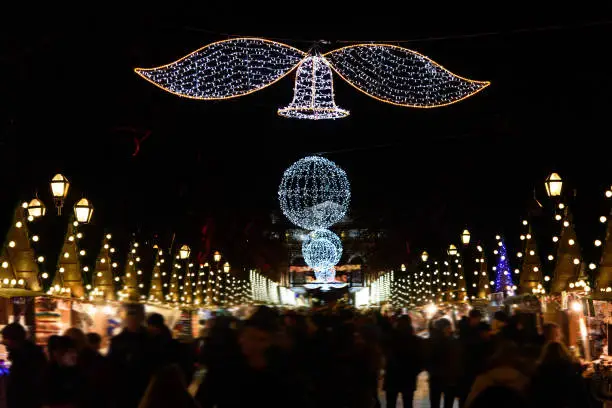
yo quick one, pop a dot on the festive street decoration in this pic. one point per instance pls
(400, 76)
(314, 193)
(568, 266)
(531, 270)
(68, 278)
(132, 275)
(484, 290)
(313, 96)
(156, 293)
(18, 258)
(240, 66)
(604, 279)
(503, 273)
(103, 283)
(322, 249)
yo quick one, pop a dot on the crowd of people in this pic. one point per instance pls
(332, 357)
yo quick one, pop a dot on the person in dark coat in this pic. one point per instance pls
(27, 365)
(127, 357)
(164, 350)
(444, 364)
(404, 357)
(557, 382)
(253, 377)
(64, 384)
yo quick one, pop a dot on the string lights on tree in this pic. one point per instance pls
(240, 66)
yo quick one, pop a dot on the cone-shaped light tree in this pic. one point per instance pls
(199, 295)
(18, 259)
(484, 290)
(503, 273)
(175, 279)
(68, 276)
(567, 268)
(185, 285)
(531, 270)
(604, 279)
(132, 275)
(156, 293)
(103, 279)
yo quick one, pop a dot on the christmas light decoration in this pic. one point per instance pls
(400, 76)
(225, 69)
(322, 249)
(314, 193)
(313, 96)
(503, 278)
(240, 66)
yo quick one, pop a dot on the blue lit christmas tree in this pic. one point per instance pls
(503, 273)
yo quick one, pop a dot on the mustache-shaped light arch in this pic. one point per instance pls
(225, 69)
(400, 76)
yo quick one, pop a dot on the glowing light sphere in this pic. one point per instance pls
(314, 193)
(322, 249)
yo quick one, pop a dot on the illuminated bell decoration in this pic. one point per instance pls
(465, 237)
(313, 96)
(36, 208)
(452, 250)
(314, 193)
(322, 249)
(424, 256)
(83, 210)
(184, 252)
(217, 256)
(553, 185)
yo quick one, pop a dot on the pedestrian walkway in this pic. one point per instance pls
(421, 395)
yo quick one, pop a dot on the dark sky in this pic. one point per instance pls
(70, 97)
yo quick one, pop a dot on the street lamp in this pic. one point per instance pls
(184, 252)
(59, 189)
(424, 256)
(83, 210)
(217, 256)
(465, 237)
(452, 250)
(226, 267)
(36, 208)
(553, 185)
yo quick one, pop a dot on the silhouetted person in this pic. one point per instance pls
(444, 365)
(64, 384)
(127, 357)
(167, 389)
(404, 357)
(95, 341)
(27, 365)
(164, 350)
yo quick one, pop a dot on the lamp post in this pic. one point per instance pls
(184, 252)
(83, 209)
(554, 185)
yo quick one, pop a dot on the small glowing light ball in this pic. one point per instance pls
(314, 193)
(325, 275)
(322, 249)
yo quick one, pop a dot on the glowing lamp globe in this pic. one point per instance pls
(452, 250)
(217, 256)
(59, 186)
(184, 252)
(226, 267)
(314, 193)
(36, 208)
(465, 237)
(83, 210)
(553, 185)
(424, 256)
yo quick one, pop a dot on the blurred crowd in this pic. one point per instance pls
(330, 357)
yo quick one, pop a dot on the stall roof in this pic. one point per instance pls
(16, 292)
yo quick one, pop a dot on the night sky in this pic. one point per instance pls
(72, 104)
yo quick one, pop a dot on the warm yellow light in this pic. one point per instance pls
(59, 186)
(66, 255)
(5, 265)
(12, 244)
(465, 237)
(547, 278)
(45, 275)
(553, 185)
(83, 210)
(184, 252)
(424, 256)
(592, 266)
(608, 193)
(555, 239)
(452, 250)
(226, 267)
(577, 307)
(41, 259)
(576, 261)
(217, 256)
(571, 242)
(36, 208)
(597, 243)
(603, 219)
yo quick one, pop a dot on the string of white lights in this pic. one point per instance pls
(400, 76)
(225, 69)
(322, 249)
(313, 96)
(314, 193)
